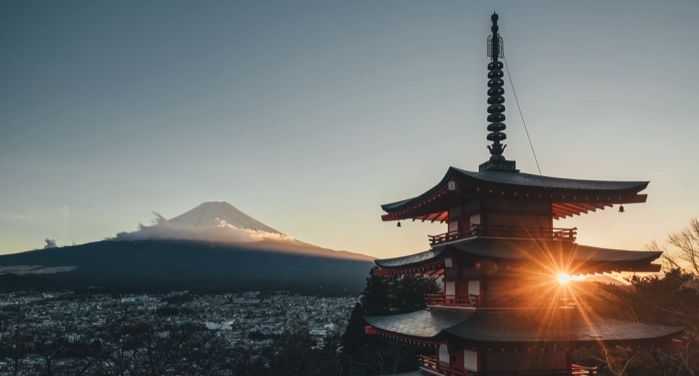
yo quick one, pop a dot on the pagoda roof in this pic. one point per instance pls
(519, 326)
(583, 258)
(569, 196)
(424, 323)
(410, 260)
(540, 181)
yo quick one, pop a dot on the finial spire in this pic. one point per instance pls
(496, 108)
(495, 92)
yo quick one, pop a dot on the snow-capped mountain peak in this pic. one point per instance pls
(210, 221)
(216, 214)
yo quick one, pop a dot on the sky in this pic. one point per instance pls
(308, 115)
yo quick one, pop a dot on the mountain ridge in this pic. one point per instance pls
(197, 250)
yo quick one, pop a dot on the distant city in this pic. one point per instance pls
(246, 321)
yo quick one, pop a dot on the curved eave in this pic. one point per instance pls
(413, 260)
(598, 254)
(425, 324)
(520, 326)
(522, 179)
(568, 196)
(515, 326)
(398, 205)
(582, 258)
(430, 206)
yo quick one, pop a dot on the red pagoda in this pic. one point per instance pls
(502, 310)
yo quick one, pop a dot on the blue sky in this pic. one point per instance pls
(309, 114)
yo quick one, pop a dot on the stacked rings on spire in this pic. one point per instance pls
(496, 108)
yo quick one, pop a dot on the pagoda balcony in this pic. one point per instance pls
(549, 233)
(442, 299)
(431, 366)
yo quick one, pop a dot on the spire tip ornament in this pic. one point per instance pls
(496, 108)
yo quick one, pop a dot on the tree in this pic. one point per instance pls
(295, 354)
(681, 250)
(15, 348)
(366, 354)
(668, 299)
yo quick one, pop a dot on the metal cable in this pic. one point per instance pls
(514, 93)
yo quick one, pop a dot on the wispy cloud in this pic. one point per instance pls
(221, 232)
(17, 217)
(34, 269)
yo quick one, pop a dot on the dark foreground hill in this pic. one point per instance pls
(151, 265)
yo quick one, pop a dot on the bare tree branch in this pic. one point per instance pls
(681, 250)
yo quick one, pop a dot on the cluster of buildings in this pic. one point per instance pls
(249, 319)
(237, 316)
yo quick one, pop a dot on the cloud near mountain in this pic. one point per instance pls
(212, 222)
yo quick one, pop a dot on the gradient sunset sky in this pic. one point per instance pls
(308, 115)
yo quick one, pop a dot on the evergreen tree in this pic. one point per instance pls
(669, 299)
(364, 354)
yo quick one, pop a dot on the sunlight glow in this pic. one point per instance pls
(553, 283)
(564, 278)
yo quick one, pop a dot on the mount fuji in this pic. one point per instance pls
(211, 221)
(213, 213)
(213, 246)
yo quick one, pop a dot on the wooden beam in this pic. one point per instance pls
(572, 208)
(559, 211)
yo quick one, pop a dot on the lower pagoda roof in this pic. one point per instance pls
(520, 326)
(424, 323)
(586, 259)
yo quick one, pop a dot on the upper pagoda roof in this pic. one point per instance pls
(520, 326)
(582, 258)
(540, 181)
(569, 196)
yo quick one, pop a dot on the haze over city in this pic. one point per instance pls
(309, 115)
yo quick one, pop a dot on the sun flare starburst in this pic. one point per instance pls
(564, 278)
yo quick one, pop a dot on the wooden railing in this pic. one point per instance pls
(452, 300)
(568, 234)
(449, 236)
(579, 370)
(431, 365)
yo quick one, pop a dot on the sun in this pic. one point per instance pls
(565, 278)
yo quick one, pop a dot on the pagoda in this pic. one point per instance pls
(509, 302)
